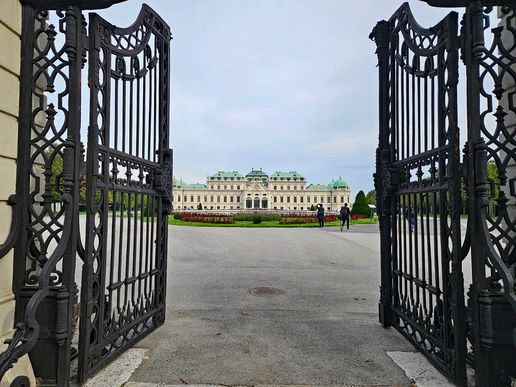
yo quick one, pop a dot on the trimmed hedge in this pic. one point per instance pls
(360, 206)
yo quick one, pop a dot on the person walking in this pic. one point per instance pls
(320, 215)
(344, 216)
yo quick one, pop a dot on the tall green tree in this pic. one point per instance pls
(360, 206)
(371, 197)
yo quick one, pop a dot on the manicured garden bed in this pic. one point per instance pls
(264, 223)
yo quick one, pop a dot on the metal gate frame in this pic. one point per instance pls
(490, 321)
(417, 181)
(129, 158)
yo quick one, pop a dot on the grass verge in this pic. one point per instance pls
(266, 223)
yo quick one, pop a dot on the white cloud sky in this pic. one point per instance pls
(274, 84)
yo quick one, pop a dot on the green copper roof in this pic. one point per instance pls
(317, 187)
(256, 173)
(178, 182)
(226, 175)
(195, 186)
(292, 175)
(339, 183)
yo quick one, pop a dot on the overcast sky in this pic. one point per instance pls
(274, 84)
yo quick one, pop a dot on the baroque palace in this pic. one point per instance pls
(257, 190)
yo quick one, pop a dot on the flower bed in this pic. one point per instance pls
(206, 218)
(303, 219)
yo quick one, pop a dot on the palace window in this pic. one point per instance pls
(231, 199)
(238, 187)
(342, 199)
(281, 188)
(288, 187)
(249, 203)
(238, 199)
(225, 199)
(178, 198)
(198, 198)
(231, 186)
(257, 202)
(275, 199)
(205, 198)
(335, 199)
(301, 199)
(288, 199)
(264, 202)
(218, 200)
(295, 199)
(308, 199)
(218, 186)
(329, 200)
(275, 187)
(225, 187)
(295, 187)
(322, 199)
(191, 198)
(185, 198)
(281, 200)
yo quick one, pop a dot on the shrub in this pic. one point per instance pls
(313, 208)
(199, 206)
(360, 206)
(177, 215)
(257, 219)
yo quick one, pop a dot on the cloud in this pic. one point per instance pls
(282, 85)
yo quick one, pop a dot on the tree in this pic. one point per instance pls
(360, 206)
(312, 208)
(371, 197)
(199, 206)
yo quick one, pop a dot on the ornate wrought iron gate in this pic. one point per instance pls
(418, 182)
(421, 184)
(128, 194)
(129, 178)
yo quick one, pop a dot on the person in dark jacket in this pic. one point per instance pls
(320, 215)
(344, 216)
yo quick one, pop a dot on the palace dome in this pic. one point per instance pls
(339, 183)
(257, 174)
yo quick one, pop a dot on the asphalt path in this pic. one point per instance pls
(320, 328)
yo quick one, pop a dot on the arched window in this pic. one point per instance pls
(264, 202)
(257, 202)
(249, 203)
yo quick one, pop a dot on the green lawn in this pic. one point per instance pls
(266, 223)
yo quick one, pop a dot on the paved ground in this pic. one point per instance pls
(322, 329)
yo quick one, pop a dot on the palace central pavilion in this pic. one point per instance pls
(257, 190)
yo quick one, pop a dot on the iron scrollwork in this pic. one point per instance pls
(47, 189)
(14, 229)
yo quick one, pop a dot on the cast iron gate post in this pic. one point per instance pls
(383, 178)
(490, 62)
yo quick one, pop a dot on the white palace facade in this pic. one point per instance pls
(258, 191)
